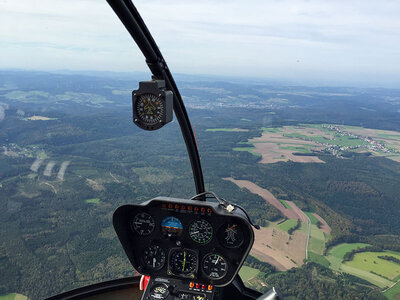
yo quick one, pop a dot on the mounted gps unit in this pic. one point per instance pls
(152, 105)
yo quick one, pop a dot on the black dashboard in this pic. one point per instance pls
(200, 244)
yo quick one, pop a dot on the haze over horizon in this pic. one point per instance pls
(345, 42)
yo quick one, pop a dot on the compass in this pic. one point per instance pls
(152, 105)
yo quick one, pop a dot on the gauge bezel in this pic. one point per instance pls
(159, 285)
(191, 274)
(208, 224)
(204, 272)
(171, 232)
(221, 235)
(157, 89)
(134, 229)
(163, 261)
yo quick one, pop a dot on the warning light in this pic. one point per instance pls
(191, 284)
(210, 287)
(203, 210)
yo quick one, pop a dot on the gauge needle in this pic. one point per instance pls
(184, 261)
(217, 260)
(196, 232)
(154, 262)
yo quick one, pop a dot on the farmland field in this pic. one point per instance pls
(13, 296)
(285, 226)
(370, 262)
(340, 250)
(302, 143)
(394, 292)
(246, 273)
(93, 200)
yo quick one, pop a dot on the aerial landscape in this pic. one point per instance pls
(318, 168)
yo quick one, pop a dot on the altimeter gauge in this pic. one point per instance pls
(152, 105)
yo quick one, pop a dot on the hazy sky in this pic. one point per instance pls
(317, 40)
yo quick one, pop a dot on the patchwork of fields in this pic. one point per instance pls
(286, 243)
(303, 143)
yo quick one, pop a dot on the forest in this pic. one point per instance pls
(53, 240)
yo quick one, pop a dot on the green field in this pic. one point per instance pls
(247, 149)
(93, 200)
(222, 129)
(319, 259)
(393, 292)
(340, 250)
(296, 149)
(246, 273)
(370, 262)
(285, 226)
(312, 218)
(285, 204)
(374, 279)
(13, 296)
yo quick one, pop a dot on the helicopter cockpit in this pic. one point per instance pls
(188, 249)
(183, 248)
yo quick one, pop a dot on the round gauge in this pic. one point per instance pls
(171, 227)
(201, 231)
(154, 257)
(214, 266)
(159, 292)
(183, 262)
(143, 224)
(149, 108)
(231, 235)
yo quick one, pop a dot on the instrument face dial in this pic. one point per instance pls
(214, 266)
(143, 224)
(231, 235)
(159, 292)
(201, 231)
(183, 262)
(171, 227)
(150, 108)
(154, 257)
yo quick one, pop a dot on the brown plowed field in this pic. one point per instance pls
(300, 215)
(272, 245)
(324, 226)
(277, 248)
(265, 194)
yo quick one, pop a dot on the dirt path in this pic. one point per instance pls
(324, 226)
(52, 186)
(265, 194)
(299, 213)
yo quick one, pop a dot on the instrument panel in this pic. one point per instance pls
(184, 239)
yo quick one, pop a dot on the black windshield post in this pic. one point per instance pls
(135, 25)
